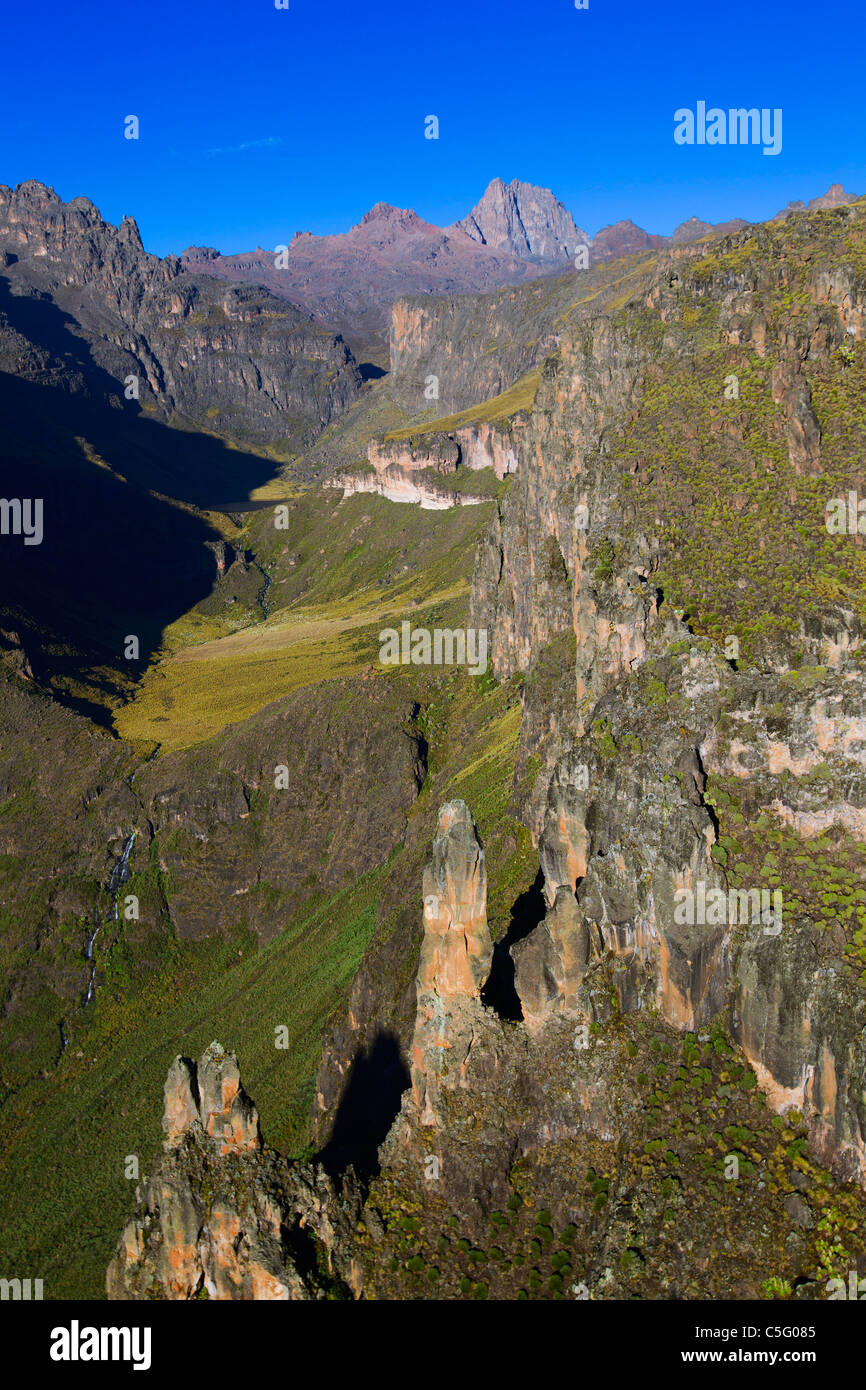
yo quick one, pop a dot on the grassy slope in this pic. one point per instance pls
(359, 566)
(104, 1102)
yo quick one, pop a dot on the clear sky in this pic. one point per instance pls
(256, 123)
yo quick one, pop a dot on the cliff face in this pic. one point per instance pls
(693, 703)
(207, 352)
(476, 348)
(638, 806)
(417, 468)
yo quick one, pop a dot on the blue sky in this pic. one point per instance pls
(258, 122)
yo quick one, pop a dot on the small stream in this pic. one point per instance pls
(118, 876)
(88, 955)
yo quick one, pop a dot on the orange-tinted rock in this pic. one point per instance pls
(456, 954)
(181, 1105)
(226, 1220)
(457, 950)
(227, 1113)
(210, 1096)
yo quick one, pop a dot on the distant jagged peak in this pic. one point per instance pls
(835, 197)
(385, 217)
(526, 220)
(40, 204)
(694, 228)
(34, 191)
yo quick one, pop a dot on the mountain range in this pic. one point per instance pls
(516, 232)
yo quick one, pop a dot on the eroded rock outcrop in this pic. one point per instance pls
(456, 954)
(416, 469)
(220, 1217)
(411, 470)
(210, 1095)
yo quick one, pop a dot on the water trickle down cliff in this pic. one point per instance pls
(118, 876)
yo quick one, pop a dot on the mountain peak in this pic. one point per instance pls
(835, 197)
(199, 255)
(392, 216)
(528, 221)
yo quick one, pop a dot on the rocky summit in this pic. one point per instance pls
(529, 221)
(473, 742)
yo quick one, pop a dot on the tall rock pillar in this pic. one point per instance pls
(456, 955)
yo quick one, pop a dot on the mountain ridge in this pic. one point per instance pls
(517, 231)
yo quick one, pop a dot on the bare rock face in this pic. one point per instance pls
(456, 954)
(617, 859)
(791, 390)
(211, 1096)
(223, 1218)
(181, 1100)
(485, 446)
(410, 469)
(434, 451)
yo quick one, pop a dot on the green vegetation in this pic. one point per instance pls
(340, 573)
(104, 1100)
(499, 410)
(745, 549)
(820, 877)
